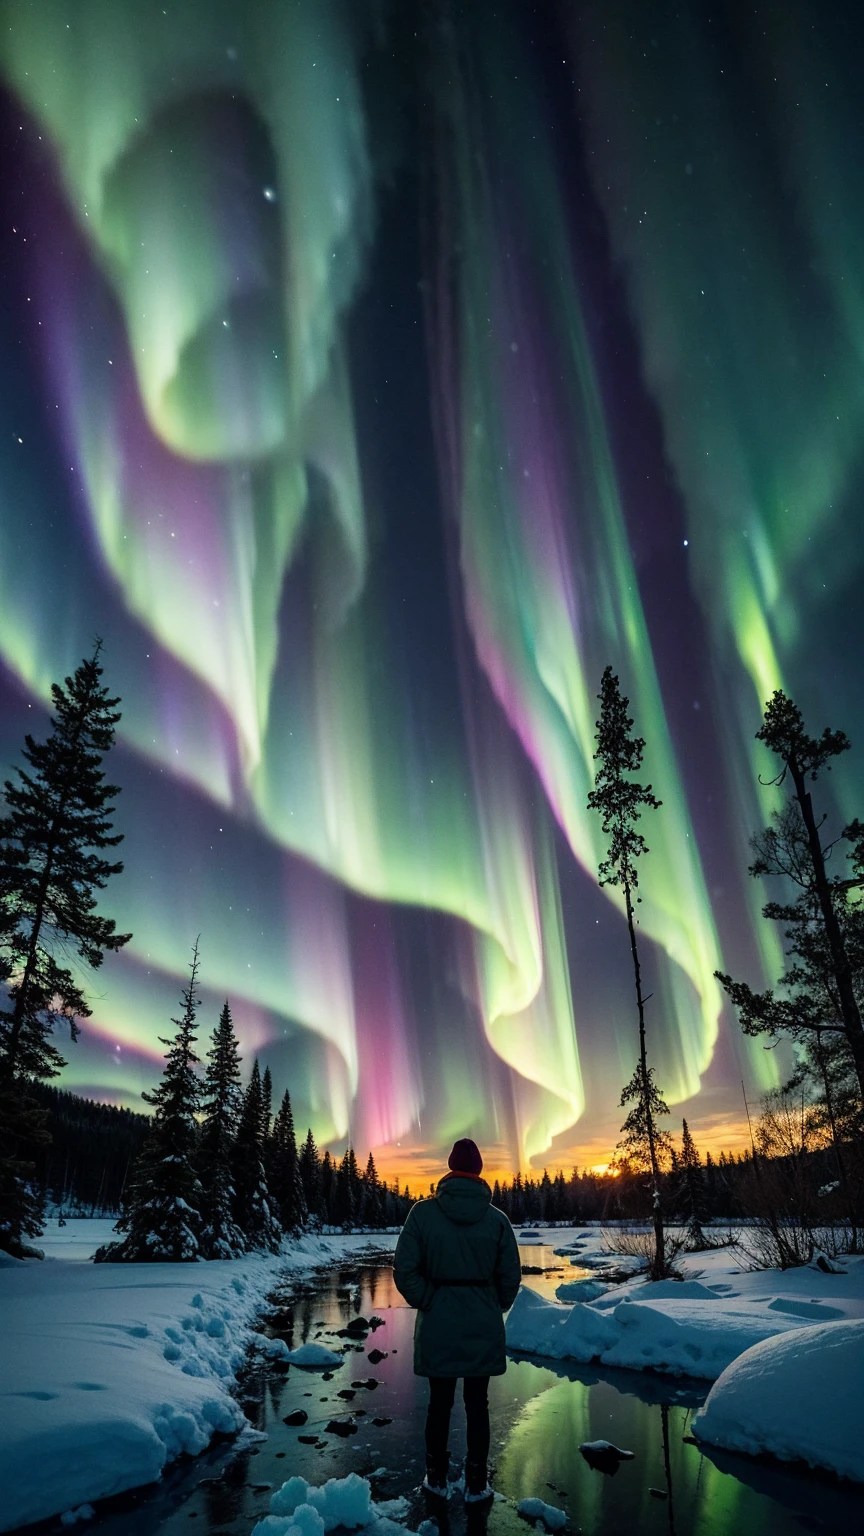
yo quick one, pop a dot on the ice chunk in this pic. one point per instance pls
(534, 1509)
(580, 1290)
(313, 1355)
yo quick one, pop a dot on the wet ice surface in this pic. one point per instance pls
(541, 1412)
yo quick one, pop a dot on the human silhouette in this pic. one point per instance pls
(457, 1262)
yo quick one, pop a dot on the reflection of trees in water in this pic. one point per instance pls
(667, 1466)
(554, 1408)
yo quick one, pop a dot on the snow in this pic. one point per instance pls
(314, 1355)
(695, 1327)
(111, 1371)
(534, 1509)
(798, 1396)
(581, 1290)
(300, 1509)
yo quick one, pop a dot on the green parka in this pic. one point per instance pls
(457, 1262)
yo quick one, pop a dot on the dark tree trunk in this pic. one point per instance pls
(849, 1010)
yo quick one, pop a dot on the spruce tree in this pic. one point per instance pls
(346, 1190)
(373, 1205)
(691, 1193)
(252, 1202)
(266, 1114)
(310, 1176)
(328, 1182)
(286, 1185)
(221, 1238)
(162, 1219)
(822, 990)
(57, 823)
(620, 800)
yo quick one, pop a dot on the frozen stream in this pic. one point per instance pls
(541, 1412)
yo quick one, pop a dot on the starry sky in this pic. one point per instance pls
(371, 376)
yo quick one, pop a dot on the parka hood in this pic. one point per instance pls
(463, 1199)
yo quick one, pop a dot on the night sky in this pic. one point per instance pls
(371, 376)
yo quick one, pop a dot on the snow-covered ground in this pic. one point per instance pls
(797, 1396)
(796, 1339)
(110, 1371)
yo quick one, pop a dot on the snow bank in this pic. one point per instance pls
(111, 1371)
(539, 1327)
(799, 1396)
(696, 1335)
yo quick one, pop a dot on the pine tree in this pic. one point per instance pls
(310, 1176)
(620, 801)
(58, 821)
(221, 1238)
(266, 1114)
(252, 1205)
(347, 1190)
(691, 1192)
(327, 1185)
(162, 1219)
(822, 989)
(373, 1205)
(286, 1185)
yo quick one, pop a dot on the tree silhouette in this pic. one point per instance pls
(252, 1207)
(820, 989)
(57, 823)
(620, 800)
(162, 1219)
(286, 1185)
(221, 1238)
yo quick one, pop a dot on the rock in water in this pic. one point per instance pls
(603, 1456)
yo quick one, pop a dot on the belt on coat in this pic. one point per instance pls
(471, 1281)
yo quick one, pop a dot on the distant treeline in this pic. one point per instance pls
(713, 1190)
(84, 1169)
(93, 1146)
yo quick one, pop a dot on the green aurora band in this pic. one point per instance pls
(371, 820)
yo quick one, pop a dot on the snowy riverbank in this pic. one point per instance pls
(111, 1371)
(780, 1342)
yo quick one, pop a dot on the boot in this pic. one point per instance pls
(477, 1489)
(435, 1481)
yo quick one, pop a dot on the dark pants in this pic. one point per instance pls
(442, 1391)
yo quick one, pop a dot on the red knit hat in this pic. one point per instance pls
(465, 1157)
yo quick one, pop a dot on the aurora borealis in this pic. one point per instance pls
(373, 375)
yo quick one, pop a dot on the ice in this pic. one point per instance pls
(72, 1516)
(799, 1396)
(534, 1509)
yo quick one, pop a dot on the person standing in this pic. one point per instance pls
(458, 1264)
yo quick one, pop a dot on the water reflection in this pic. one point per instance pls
(541, 1412)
